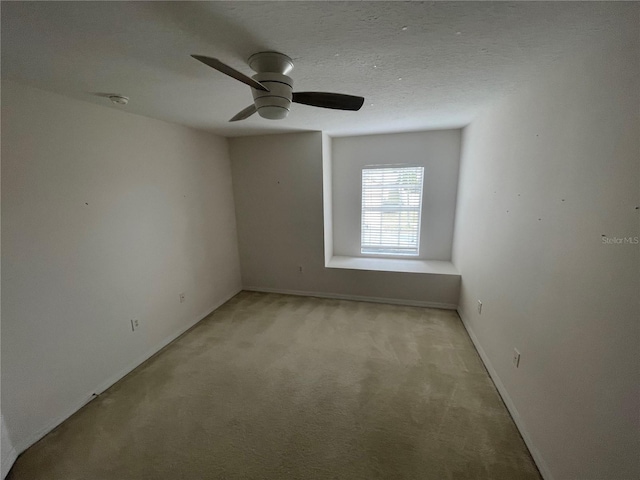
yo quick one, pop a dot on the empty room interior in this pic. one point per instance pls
(320, 240)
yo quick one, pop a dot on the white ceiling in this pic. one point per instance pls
(453, 58)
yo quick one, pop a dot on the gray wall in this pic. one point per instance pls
(106, 217)
(544, 174)
(277, 183)
(438, 151)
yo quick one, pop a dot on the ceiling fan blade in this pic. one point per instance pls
(232, 72)
(246, 113)
(336, 101)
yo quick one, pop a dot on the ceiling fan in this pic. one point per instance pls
(273, 90)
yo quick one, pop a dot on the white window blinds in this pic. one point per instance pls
(391, 210)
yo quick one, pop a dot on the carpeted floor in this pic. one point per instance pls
(283, 387)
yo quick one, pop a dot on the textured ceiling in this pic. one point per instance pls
(451, 60)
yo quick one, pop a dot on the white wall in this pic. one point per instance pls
(438, 151)
(7, 450)
(544, 175)
(106, 217)
(8, 453)
(327, 196)
(279, 205)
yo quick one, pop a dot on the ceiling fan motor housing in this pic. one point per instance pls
(271, 62)
(276, 103)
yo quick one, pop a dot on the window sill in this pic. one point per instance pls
(435, 267)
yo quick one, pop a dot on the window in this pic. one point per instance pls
(391, 210)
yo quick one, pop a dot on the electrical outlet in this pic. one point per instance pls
(135, 324)
(479, 307)
(516, 358)
(182, 298)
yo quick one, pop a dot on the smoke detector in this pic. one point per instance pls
(119, 99)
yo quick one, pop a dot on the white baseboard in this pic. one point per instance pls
(535, 453)
(357, 298)
(22, 446)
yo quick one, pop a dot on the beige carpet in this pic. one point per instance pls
(282, 387)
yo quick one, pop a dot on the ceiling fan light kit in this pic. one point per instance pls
(276, 103)
(272, 88)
